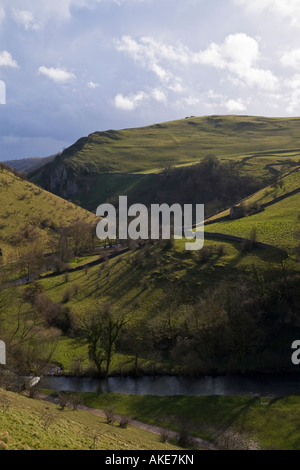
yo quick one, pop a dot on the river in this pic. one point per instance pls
(268, 386)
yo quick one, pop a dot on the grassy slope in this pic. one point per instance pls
(139, 290)
(287, 183)
(22, 427)
(277, 224)
(107, 164)
(25, 205)
(185, 141)
(270, 423)
(27, 165)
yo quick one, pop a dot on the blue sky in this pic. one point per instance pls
(71, 67)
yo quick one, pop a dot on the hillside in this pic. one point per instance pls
(28, 165)
(28, 424)
(215, 311)
(277, 220)
(31, 216)
(103, 165)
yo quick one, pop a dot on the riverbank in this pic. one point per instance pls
(227, 422)
(241, 421)
(169, 434)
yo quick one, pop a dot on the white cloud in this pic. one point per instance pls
(291, 94)
(92, 85)
(44, 10)
(294, 82)
(33, 14)
(212, 100)
(25, 18)
(239, 55)
(188, 101)
(131, 102)
(288, 9)
(6, 60)
(159, 95)
(291, 59)
(56, 74)
(234, 106)
(293, 100)
(149, 54)
(134, 100)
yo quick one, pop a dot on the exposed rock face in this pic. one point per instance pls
(62, 181)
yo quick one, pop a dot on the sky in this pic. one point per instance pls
(72, 67)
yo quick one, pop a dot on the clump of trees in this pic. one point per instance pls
(30, 343)
(54, 315)
(233, 327)
(212, 182)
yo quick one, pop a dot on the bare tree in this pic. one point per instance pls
(102, 329)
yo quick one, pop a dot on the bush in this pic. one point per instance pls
(248, 245)
(221, 250)
(184, 438)
(48, 417)
(76, 289)
(164, 435)
(67, 295)
(62, 400)
(205, 253)
(74, 400)
(124, 422)
(110, 416)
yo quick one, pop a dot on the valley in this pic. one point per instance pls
(151, 308)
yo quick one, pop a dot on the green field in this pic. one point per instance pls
(233, 422)
(28, 424)
(276, 225)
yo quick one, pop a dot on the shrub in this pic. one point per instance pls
(76, 289)
(221, 250)
(205, 253)
(110, 416)
(164, 435)
(124, 422)
(67, 295)
(184, 438)
(62, 400)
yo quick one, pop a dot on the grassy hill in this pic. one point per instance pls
(28, 424)
(28, 165)
(277, 224)
(188, 312)
(30, 215)
(212, 311)
(103, 165)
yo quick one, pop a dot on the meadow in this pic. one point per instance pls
(233, 422)
(31, 424)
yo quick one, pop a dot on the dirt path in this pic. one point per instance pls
(201, 443)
